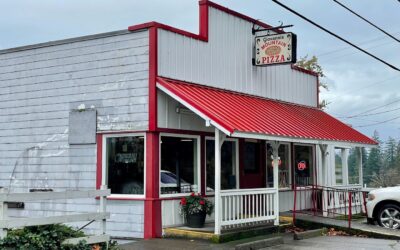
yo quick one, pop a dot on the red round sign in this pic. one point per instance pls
(301, 165)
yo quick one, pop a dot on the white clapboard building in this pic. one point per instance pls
(155, 113)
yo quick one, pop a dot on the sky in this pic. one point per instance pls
(362, 91)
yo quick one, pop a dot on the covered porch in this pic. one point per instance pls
(254, 153)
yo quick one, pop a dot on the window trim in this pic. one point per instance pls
(197, 137)
(211, 138)
(314, 169)
(288, 144)
(104, 165)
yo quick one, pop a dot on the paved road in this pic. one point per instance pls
(323, 242)
(338, 242)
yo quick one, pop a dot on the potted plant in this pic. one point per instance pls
(194, 208)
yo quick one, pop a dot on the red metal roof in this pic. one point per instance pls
(237, 112)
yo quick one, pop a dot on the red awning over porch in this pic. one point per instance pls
(238, 114)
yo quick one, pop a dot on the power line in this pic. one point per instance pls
(354, 52)
(365, 87)
(373, 109)
(377, 113)
(359, 44)
(366, 20)
(335, 35)
(377, 123)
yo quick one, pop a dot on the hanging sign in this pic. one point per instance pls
(275, 49)
(301, 165)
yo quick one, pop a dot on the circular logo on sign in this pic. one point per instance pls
(273, 50)
(301, 165)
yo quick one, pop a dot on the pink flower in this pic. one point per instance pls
(202, 202)
(192, 194)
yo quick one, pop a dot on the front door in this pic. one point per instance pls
(252, 167)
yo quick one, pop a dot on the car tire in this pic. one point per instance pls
(389, 216)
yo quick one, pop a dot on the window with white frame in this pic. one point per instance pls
(180, 172)
(229, 161)
(123, 165)
(338, 166)
(284, 172)
(303, 164)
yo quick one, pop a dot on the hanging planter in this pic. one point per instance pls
(194, 208)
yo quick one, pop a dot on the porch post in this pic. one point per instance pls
(360, 166)
(275, 148)
(219, 140)
(345, 168)
(324, 155)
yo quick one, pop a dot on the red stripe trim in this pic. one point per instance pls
(99, 140)
(310, 72)
(152, 79)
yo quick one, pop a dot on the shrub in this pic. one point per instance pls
(45, 238)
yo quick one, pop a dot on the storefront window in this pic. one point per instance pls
(304, 165)
(179, 165)
(284, 172)
(228, 165)
(125, 164)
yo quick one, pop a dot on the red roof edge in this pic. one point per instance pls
(203, 21)
(310, 72)
(237, 14)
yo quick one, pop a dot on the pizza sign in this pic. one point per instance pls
(275, 49)
(301, 165)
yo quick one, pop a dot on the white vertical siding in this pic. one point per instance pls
(169, 118)
(225, 61)
(39, 86)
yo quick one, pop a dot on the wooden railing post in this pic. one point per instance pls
(103, 209)
(3, 213)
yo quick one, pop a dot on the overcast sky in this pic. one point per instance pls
(357, 82)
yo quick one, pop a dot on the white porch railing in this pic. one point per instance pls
(339, 199)
(244, 207)
(101, 215)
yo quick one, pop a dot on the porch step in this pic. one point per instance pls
(226, 236)
(262, 243)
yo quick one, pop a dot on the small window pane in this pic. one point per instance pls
(284, 167)
(125, 164)
(304, 165)
(338, 166)
(179, 168)
(228, 165)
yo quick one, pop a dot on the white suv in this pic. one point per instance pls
(383, 206)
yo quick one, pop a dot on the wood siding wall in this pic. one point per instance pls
(225, 61)
(39, 87)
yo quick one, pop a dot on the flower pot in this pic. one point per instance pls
(196, 220)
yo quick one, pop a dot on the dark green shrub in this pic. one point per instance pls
(44, 238)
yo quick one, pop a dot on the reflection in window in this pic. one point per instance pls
(125, 164)
(338, 166)
(179, 168)
(284, 166)
(304, 165)
(251, 157)
(228, 165)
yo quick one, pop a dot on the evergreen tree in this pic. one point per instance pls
(374, 161)
(389, 156)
